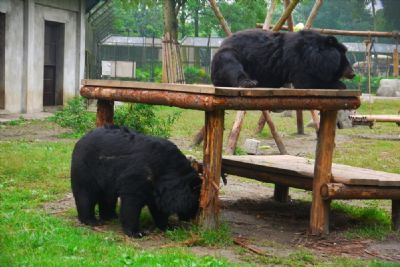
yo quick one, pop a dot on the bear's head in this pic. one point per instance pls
(345, 70)
(324, 57)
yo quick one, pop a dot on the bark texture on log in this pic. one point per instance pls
(319, 221)
(212, 158)
(105, 112)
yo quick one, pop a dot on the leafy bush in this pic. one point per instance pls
(192, 75)
(75, 116)
(362, 83)
(196, 75)
(145, 75)
(145, 119)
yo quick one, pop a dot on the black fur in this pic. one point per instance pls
(262, 58)
(110, 162)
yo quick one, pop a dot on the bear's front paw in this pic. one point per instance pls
(134, 234)
(247, 83)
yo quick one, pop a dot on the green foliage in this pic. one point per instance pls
(196, 75)
(361, 81)
(75, 116)
(145, 119)
(34, 173)
(21, 120)
(374, 222)
(212, 238)
(144, 74)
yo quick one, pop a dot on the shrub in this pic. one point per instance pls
(362, 83)
(196, 75)
(145, 119)
(75, 116)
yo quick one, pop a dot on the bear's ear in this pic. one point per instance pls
(331, 40)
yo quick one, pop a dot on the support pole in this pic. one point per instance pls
(212, 161)
(395, 63)
(105, 112)
(319, 221)
(234, 134)
(396, 215)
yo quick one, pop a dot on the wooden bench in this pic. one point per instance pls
(345, 182)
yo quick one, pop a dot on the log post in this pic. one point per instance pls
(212, 160)
(234, 134)
(319, 221)
(395, 63)
(300, 122)
(105, 112)
(396, 215)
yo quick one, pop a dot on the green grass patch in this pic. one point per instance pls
(34, 173)
(374, 223)
(213, 238)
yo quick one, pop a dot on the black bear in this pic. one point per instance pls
(261, 58)
(113, 162)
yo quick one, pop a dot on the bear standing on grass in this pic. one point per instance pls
(113, 162)
(261, 58)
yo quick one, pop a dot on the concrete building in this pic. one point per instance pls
(42, 53)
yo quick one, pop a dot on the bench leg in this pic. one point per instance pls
(212, 162)
(105, 113)
(396, 215)
(319, 219)
(281, 193)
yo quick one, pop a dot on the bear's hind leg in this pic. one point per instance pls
(107, 206)
(227, 70)
(85, 205)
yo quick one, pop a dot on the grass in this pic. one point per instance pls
(211, 238)
(33, 173)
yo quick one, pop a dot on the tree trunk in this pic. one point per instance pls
(220, 17)
(172, 64)
(270, 13)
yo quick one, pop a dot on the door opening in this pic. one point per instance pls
(53, 63)
(2, 59)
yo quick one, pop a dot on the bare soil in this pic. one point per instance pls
(270, 228)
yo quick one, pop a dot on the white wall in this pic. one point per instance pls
(13, 68)
(24, 50)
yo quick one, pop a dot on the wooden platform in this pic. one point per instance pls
(214, 101)
(304, 169)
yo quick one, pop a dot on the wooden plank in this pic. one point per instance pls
(377, 118)
(299, 166)
(209, 202)
(257, 92)
(283, 164)
(221, 91)
(189, 88)
(269, 177)
(319, 219)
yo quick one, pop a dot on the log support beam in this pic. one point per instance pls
(319, 219)
(396, 214)
(212, 162)
(105, 112)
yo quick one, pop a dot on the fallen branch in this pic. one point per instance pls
(239, 241)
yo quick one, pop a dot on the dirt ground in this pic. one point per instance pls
(265, 226)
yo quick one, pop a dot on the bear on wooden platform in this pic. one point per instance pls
(113, 162)
(261, 58)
